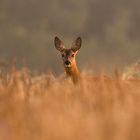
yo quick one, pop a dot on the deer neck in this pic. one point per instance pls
(73, 72)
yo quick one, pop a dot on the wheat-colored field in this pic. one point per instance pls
(45, 107)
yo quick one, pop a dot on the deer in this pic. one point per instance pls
(69, 58)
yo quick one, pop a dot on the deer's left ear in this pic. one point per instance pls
(77, 44)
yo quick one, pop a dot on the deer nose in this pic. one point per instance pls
(67, 62)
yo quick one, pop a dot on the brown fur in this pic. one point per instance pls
(68, 56)
(73, 73)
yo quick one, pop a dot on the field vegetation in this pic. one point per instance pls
(40, 107)
(37, 102)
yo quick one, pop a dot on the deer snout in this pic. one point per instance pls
(67, 63)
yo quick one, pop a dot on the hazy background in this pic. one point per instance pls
(110, 30)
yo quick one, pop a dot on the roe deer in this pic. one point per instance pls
(68, 56)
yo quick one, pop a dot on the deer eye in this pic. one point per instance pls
(62, 55)
(72, 55)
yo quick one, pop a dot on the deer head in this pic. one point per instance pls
(68, 55)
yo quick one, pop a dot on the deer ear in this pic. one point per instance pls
(58, 44)
(77, 44)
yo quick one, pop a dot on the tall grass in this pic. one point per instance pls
(43, 107)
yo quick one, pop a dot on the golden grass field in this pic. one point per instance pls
(45, 107)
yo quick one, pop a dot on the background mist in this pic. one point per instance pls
(110, 32)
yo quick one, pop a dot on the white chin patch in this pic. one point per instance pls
(67, 66)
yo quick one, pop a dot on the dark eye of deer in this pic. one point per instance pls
(72, 55)
(62, 55)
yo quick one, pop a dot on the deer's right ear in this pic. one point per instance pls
(58, 44)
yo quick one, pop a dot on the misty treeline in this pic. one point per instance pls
(109, 29)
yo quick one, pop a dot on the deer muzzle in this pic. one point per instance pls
(67, 63)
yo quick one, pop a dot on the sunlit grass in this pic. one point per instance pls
(41, 107)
